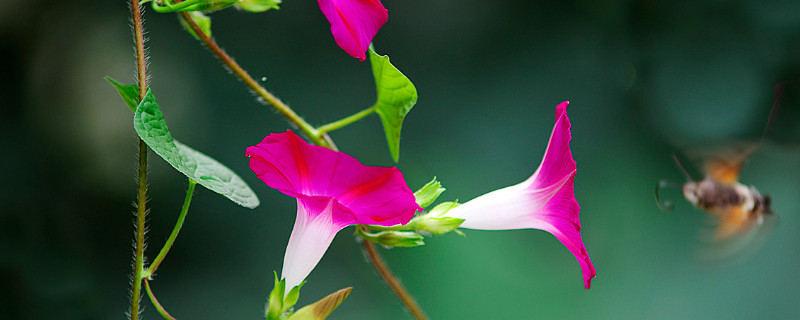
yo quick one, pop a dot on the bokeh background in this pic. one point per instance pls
(645, 79)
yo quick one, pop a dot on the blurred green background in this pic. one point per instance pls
(644, 78)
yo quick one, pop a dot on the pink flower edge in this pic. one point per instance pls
(354, 23)
(545, 201)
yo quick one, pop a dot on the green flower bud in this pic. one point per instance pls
(321, 309)
(438, 225)
(394, 238)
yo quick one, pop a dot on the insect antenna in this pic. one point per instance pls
(776, 104)
(682, 168)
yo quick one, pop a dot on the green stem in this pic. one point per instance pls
(239, 72)
(402, 294)
(346, 121)
(141, 210)
(168, 245)
(153, 299)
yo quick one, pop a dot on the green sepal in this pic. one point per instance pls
(129, 93)
(442, 208)
(152, 129)
(292, 296)
(321, 309)
(280, 303)
(426, 195)
(402, 239)
(203, 21)
(258, 5)
(435, 222)
(396, 96)
(275, 302)
(440, 225)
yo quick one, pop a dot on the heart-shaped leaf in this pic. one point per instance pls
(396, 96)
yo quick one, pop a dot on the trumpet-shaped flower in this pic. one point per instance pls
(354, 23)
(333, 190)
(545, 201)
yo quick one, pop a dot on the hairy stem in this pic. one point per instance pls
(141, 210)
(268, 97)
(402, 294)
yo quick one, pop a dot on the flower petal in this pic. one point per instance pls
(545, 201)
(354, 23)
(560, 216)
(557, 162)
(313, 232)
(374, 195)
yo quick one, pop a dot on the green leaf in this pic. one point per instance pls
(152, 129)
(321, 309)
(129, 93)
(396, 96)
(203, 21)
(258, 5)
(429, 193)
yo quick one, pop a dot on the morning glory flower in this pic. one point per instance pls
(354, 23)
(545, 201)
(333, 190)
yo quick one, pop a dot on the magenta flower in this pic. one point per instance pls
(354, 23)
(333, 190)
(545, 201)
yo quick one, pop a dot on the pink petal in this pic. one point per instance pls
(545, 201)
(557, 162)
(313, 232)
(373, 195)
(560, 217)
(354, 23)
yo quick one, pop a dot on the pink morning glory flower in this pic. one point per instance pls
(354, 23)
(545, 201)
(333, 190)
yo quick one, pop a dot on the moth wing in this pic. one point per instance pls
(735, 221)
(736, 236)
(725, 164)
